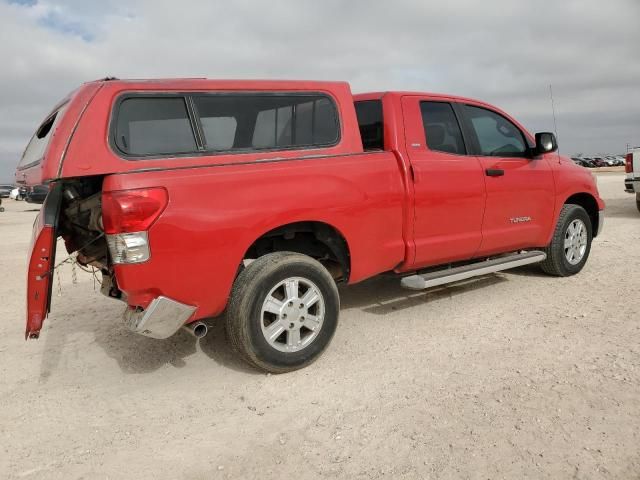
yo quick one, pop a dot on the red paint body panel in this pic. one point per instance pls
(400, 209)
(38, 276)
(449, 195)
(49, 167)
(215, 214)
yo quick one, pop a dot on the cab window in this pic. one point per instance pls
(497, 136)
(441, 128)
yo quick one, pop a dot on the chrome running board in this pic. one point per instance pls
(440, 277)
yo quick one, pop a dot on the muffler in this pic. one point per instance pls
(197, 329)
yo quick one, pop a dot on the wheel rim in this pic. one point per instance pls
(292, 314)
(575, 241)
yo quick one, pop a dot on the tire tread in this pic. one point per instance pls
(239, 307)
(554, 263)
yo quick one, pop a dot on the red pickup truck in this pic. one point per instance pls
(196, 197)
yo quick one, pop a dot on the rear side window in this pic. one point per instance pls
(497, 136)
(166, 125)
(154, 126)
(441, 128)
(266, 121)
(369, 113)
(38, 144)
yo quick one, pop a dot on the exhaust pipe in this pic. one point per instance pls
(197, 329)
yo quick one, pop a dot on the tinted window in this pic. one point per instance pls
(154, 126)
(497, 136)
(369, 113)
(219, 132)
(296, 121)
(441, 128)
(264, 121)
(38, 144)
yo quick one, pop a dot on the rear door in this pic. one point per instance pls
(520, 188)
(449, 185)
(41, 262)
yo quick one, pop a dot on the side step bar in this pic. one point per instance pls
(440, 277)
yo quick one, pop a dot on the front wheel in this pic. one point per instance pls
(571, 243)
(283, 312)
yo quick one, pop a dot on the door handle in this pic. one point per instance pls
(494, 172)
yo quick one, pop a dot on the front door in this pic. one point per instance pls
(520, 188)
(449, 189)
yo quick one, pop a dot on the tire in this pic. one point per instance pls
(638, 201)
(286, 280)
(559, 262)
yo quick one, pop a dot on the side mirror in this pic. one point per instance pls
(545, 143)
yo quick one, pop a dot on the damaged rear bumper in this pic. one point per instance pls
(162, 318)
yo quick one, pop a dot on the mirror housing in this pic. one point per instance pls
(545, 143)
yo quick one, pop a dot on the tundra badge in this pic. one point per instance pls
(520, 219)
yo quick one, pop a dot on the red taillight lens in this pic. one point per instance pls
(628, 165)
(132, 210)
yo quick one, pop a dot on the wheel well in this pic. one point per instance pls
(315, 239)
(589, 203)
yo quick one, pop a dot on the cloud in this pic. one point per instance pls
(501, 51)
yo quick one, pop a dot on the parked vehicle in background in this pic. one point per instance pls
(5, 190)
(588, 161)
(599, 162)
(581, 162)
(620, 160)
(256, 198)
(16, 194)
(632, 177)
(36, 194)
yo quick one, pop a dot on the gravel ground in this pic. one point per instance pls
(511, 375)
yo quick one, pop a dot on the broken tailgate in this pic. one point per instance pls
(42, 261)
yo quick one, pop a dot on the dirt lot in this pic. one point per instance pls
(512, 375)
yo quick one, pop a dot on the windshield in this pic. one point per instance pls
(38, 143)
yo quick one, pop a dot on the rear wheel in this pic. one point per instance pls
(638, 201)
(283, 312)
(571, 243)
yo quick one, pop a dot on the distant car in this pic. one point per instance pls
(582, 162)
(587, 162)
(5, 191)
(599, 162)
(15, 194)
(36, 194)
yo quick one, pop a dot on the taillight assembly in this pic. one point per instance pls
(126, 211)
(628, 165)
(126, 217)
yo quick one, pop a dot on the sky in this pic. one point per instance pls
(504, 52)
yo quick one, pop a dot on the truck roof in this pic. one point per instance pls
(207, 83)
(402, 93)
(262, 84)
